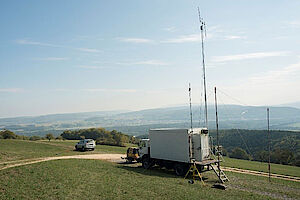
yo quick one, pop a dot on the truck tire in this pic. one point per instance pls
(180, 169)
(168, 164)
(146, 163)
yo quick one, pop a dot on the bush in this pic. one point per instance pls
(59, 138)
(7, 134)
(49, 136)
(239, 154)
(35, 138)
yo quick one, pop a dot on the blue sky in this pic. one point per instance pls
(80, 56)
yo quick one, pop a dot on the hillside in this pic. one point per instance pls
(59, 179)
(139, 122)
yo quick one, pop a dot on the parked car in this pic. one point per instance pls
(85, 144)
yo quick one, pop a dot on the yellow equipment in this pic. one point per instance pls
(195, 173)
(132, 154)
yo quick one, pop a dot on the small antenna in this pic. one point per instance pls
(191, 112)
(203, 29)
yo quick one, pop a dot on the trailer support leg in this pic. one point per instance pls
(195, 173)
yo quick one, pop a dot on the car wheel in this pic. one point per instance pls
(82, 149)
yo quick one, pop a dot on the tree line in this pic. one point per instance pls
(253, 145)
(101, 136)
(7, 134)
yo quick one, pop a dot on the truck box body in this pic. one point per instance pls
(181, 145)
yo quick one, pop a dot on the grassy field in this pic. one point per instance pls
(260, 166)
(95, 179)
(14, 150)
(77, 179)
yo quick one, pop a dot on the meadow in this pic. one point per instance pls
(81, 179)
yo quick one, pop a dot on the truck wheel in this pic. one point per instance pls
(146, 163)
(168, 165)
(180, 169)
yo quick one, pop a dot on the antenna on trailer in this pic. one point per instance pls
(191, 112)
(269, 141)
(203, 31)
(217, 127)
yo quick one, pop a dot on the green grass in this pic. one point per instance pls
(98, 149)
(21, 149)
(14, 150)
(95, 179)
(261, 166)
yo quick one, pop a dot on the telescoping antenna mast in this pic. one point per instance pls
(203, 31)
(191, 112)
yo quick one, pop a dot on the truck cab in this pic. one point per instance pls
(144, 147)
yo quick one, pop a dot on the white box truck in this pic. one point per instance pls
(176, 148)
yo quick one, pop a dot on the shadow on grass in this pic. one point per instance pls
(159, 172)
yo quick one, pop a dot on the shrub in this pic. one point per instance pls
(239, 154)
(34, 138)
(7, 134)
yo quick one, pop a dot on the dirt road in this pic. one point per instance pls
(257, 173)
(109, 157)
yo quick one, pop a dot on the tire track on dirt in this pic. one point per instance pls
(257, 173)
(108, 157)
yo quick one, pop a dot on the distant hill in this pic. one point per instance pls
(138, 122)
(293, 104)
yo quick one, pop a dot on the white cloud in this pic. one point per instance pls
(29, 42)
(89, 50)
(91, 67)
(11, 90)
(170, 29)
(135, 40)
(268, 88)
(294, 23)
(277, 75)
(249, 56)
(233, 37)
(151, 62)
(109, 90)
(183, 39)
(145, 62)
(96, 90)
(52, 58)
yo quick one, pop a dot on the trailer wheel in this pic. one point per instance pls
(129, 160)
(180, 169)
(146, 163)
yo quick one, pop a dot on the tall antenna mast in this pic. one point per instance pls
(269, 141)
(191, 112)
(203, 29)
